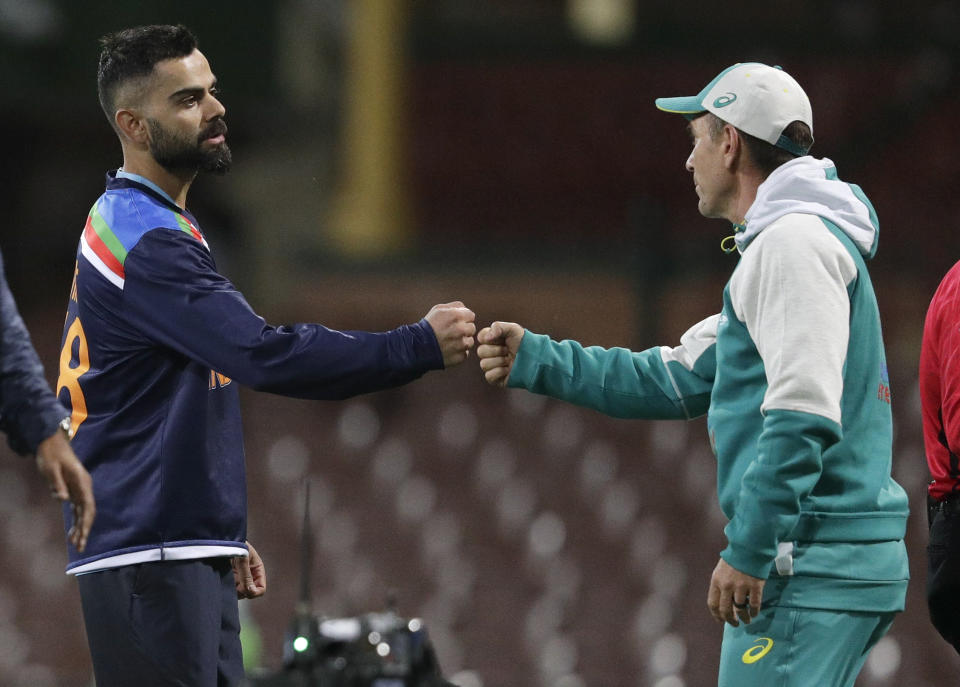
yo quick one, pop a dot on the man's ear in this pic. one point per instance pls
(132, 126)
(732, 146)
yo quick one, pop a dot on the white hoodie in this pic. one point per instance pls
(790, 288)
(810, 186)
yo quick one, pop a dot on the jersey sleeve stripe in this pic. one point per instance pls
(190, 228)
(186, 226)
(115, 277)
(104, 242)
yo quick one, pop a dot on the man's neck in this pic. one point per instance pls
(174, 185)
(746, 194)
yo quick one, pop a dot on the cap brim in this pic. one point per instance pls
(685, 105)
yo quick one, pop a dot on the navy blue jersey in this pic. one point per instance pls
(155, 341)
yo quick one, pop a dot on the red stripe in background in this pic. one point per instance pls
(98, 246)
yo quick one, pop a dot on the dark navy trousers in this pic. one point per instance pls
(163, 624)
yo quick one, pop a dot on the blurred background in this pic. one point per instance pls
(393, 154)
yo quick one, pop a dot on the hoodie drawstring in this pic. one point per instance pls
(729, 243)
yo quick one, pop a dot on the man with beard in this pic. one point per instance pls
(153, 340)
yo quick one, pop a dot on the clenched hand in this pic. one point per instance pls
(498, 347)
(453, 326)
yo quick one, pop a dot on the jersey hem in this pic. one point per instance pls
(159, 553)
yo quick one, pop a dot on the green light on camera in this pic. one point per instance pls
(300, 644)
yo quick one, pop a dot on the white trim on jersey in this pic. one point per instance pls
(98, 264)
(694, 342)
(167, 553)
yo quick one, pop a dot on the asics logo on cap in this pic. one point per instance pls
(725, 99)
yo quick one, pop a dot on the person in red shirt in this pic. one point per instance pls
(940, 402)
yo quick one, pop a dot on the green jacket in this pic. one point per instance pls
(792, 376)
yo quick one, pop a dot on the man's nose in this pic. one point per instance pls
(216, 108)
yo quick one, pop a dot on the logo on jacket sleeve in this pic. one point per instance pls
(883, 391)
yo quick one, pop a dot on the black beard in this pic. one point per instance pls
(178, 154)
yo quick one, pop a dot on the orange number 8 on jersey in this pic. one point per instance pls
(69, 378)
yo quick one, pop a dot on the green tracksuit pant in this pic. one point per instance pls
(799, 647)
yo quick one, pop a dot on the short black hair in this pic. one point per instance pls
(133, 53)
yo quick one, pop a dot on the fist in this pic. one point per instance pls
(453, 326)
(498, 347)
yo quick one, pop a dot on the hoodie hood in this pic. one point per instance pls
(810, 186)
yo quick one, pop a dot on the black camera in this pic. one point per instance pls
(372, 650)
